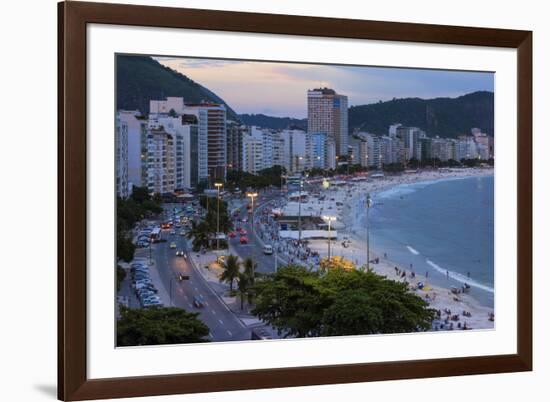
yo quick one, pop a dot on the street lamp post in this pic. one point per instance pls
(368, 204)
(329, 219)
(300, 211)
(218, 185)
(252, 196)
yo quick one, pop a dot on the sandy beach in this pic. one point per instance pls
(342, 201)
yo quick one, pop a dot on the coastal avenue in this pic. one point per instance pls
(223, 324)
(254, 248)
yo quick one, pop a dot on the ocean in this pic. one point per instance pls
(438, 227)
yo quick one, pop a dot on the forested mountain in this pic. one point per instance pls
(277, 123)
(141, 79)
(446, 117)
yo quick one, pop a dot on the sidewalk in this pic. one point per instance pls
(206, 265)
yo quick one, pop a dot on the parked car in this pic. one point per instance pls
(232, 234)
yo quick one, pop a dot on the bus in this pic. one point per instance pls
(156, 235)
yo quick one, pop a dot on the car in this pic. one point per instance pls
(198, 302)
(245, 220)
(242, 231)
(172, 232)
(182, 233)
(232, 234)
(173, 244)
(179, 253)
(268, 249)
(243, 240)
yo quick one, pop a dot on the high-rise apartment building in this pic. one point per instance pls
(319, 150)
(327, 112)
(235, 133)
(212, 140)
(160, 162)
(121, 152)
(136, 126)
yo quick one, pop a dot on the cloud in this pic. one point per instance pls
(281, 88)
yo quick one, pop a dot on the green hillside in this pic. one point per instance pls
(446, 117)
(276, 123)
(141, 79)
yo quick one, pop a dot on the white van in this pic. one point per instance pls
(268, 249)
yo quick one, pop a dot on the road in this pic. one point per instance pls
(223, 324)
(254, 248)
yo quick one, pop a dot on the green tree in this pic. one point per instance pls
(339, 302)
(120, 275)
(200, 235)
(231, 267)
(249, 266)
(243, 285)
(291, 300)
(124, 247)
(387, 306)
(159, 326)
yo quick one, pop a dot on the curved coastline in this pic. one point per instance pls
(440, 297)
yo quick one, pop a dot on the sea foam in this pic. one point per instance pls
(459, 277)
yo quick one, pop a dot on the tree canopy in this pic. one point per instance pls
(129, 211)
(303, 303)
(159, 326)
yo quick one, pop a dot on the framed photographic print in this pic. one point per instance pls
(253, 200)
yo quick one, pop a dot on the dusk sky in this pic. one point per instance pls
(279, 89)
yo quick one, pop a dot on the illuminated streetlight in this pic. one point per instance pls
(252, 196)
(329, 219)
(368, 205)
(300, 211)
(218, 186)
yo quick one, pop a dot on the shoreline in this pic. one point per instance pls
(439, 297)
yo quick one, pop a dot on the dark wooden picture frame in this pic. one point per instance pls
(73, 17)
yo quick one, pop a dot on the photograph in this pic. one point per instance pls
(272, 200)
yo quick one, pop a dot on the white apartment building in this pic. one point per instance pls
(374, 151)
(297, 150)
(442, 149)
(160, 162)
(253, 152)
(136, 132)
(331, 154)
(327, 112)
(411, 141)
(185, 133)
(121, 152)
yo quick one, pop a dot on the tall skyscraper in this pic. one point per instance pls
(235, 133)
(212, 140)
(327, 112)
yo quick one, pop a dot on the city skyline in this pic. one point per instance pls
(286, 83)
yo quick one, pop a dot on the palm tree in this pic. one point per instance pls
(243, 286)
(230, 267)
(250, 274)
(200, 235)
